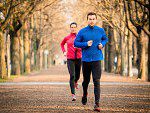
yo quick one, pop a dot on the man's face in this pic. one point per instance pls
(92, 20)
(73, 28)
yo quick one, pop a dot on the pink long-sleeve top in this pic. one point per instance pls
(72, 52)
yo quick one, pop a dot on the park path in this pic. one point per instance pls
(59, 73)
(48, 91)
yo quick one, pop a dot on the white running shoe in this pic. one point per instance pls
(73, 97)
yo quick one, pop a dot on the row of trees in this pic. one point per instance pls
(127, 25)
(20, 31)
(32, 26)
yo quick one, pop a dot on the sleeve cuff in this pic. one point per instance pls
(101, 44)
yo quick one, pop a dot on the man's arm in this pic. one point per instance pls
(78, 41)
(104, 38)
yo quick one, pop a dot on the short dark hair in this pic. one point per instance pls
(91, 13)
(73, 23)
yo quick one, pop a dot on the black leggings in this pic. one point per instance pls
(95, 68)
(74, 67)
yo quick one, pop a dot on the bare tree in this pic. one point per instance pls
(137, 21)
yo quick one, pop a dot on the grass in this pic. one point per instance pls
(8, 79)
(3, 80)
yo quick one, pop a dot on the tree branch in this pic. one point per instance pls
(127, 24)
(143, 4)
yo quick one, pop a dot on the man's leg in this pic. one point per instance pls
(86, 67)
(96, 73)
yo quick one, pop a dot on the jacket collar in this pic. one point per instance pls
(91, 27)
(72, 34)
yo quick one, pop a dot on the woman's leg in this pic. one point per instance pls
(71, 69)
(77, 69)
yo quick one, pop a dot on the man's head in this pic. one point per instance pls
(73, 27)
(91, 18)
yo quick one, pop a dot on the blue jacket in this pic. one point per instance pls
(98, 36)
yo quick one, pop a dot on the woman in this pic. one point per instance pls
(73, 58)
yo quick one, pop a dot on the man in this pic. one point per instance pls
(91, 39)
(73, 58)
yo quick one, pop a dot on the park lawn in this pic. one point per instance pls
(8, 79)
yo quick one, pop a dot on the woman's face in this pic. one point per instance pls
(73, 28)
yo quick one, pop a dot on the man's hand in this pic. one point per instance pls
(100, 46)
(65, 53)
(90, 42)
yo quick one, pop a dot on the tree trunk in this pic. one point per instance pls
(130, 55)
(134, 51)
(34, 43)
(15, 56)
(143, 64)
(8, 55)
(37, 60)
(118, 68)
(3, 73)
(35, 54)
(106, 53)
(31, 31)
(111, 51)
(125, 41)
(117, 59)
(26, 48)
(32, 61)
(106, 58)
(148, 59)
(141, 58)
(41, 59)
(21, 50)
(122, 54)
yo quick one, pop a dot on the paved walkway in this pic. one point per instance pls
(49, 92)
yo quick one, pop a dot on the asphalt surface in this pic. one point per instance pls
(49, 92)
